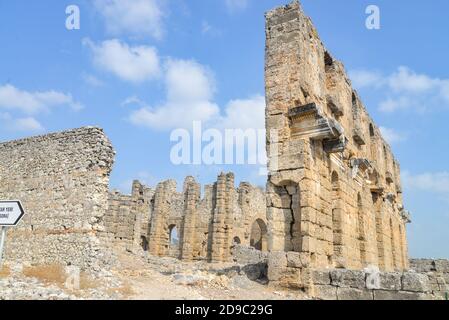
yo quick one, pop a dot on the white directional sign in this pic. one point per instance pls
(11, 212)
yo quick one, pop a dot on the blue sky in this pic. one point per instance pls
(141, 68)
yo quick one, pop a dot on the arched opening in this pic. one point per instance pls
(337, 259)
(174, 237)
(373, 146)
(144, 243)
(258, 238)
(377, 202)
(393, 246)
(361, 230)
(401, 246)
(371, 130)
(236, 241)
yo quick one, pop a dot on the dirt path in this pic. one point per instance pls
(163, 281)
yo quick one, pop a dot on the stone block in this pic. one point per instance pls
(399, 295)
(422, 265)
(354, 294)
(277, 263)
(325, 292)
(442, 266)
(321, 277)
(291, 278)
(390, 281)
(415, 282)
(294, 260)
(348, 278)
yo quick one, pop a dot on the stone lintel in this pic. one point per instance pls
(358, 137)
(336, 109)
(389, 177)
(335, 145)
(378, 189)
(308, 121)
(360, 165)
(406, 216)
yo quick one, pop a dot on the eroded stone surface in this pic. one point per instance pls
(62, 180)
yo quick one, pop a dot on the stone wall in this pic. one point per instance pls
(128, 217)
(437, 271)
(207, 226)
(334, 190)
(62, 180)
(427, 280)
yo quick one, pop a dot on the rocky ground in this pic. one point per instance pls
(144, 278)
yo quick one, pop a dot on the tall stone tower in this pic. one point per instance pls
(334, 191)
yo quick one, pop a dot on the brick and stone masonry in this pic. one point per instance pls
(206, 227)
(334, 191)
(62, 180)
(331, 221)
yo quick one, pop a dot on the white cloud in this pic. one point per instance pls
(190, 92)
(236, 5)
(391, 135)
(134, 64)
(133, 101)
(245, 114)
(210, 30)
(404, 89)
(92, 80)
(189, 80)
(406, 80)
(391, 104)
(134, 17)
(431, 182)
(27, 124)
(190, 88)
(34, 102)
(363, 78)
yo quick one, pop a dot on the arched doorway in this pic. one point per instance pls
(173, 241)
(258, 238)
(361, 230)
(174, 237)
(337, 223)
(144, 243)
(236, 241)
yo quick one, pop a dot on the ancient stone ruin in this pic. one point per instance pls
(334, 190)
(62, 180)
(165, 222)
(330, 223)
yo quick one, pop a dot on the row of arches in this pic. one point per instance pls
(396, 241)
(258, 237)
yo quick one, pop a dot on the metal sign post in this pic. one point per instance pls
(11, 212)
(2, 243)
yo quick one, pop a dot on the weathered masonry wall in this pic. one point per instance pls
(62, 180)
(426, 279)
(127, 217)
(185, 225)
(334, 191)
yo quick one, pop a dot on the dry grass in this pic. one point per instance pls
(87, 282)
(125, 290)
(56, 275)
(5, 272)
(51, 274)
